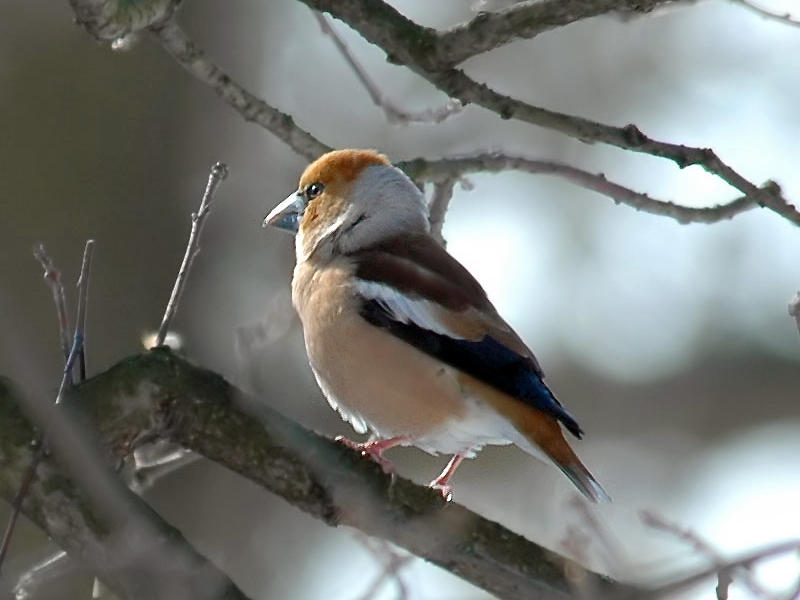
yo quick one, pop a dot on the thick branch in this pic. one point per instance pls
(158, 395)
(86, 509)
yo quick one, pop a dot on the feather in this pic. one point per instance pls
(487, 359)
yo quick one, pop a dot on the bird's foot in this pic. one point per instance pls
(442, 483)
(446, 491)
(374, 449)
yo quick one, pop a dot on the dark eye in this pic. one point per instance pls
(313, 190)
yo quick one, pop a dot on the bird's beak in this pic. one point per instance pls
(287, 214)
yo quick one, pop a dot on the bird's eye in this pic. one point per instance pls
(313, 190)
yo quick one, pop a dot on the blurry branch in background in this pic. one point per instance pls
(160, 396)
(393, 113)
(727, 572)
(393, 564)
(432, 55)
(252, 108)
(785, 18)
(78, 501)
(410, 44)
(216, 176)
(443, 170)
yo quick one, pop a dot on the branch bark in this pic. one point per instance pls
(407, 43)
(86, 509)
(160, 396)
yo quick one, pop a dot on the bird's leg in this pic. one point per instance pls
(374, 448)
(441, 483)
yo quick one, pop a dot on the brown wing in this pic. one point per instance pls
(418, 266)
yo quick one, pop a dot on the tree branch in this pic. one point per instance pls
(191, 58)
(86, 509)
(446, 169)
(393, 113)
(524, 20)
(159, 395)
(785, 18)
(410, 44)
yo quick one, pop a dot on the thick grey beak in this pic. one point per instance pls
(287, 214)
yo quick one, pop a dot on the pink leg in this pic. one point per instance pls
(441, 483)
(374, 448)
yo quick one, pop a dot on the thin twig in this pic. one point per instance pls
(55, 565)
(785, 18)
(185, 51)
(447, 168)
(391, 31)
(217, 175)
(725, 574)
(439, 202)
(83, 300)
(394, 114)
(41, 452)
(53, 277)
(393, 562)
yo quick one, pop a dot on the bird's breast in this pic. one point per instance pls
(377, 380)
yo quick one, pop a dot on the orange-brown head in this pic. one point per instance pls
(348, 199)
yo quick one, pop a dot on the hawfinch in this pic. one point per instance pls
(402, 339)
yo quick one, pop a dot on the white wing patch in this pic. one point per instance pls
(404, 309)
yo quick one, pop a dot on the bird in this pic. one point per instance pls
(402, 340)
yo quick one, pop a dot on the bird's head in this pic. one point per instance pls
(348, 200)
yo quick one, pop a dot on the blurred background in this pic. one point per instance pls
(670, 343)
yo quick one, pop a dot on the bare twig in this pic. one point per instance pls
(19, 497)
(387, 28)
(439, 202)
(394, 114)
(408, 43)
(53, 566)
(523, 20)
(444, 169)
(393, 563)
(785, 18)
(745, 562)
(726, 572)
(53, 277)
(218, 173)
(186, 52)
(83, 300)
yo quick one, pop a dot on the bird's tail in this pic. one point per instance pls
(543, 435)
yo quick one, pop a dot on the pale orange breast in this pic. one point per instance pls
(394, 387)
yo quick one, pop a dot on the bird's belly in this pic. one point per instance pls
(380, 383)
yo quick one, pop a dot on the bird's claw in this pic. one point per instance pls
(372, 450)
(445, 491)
